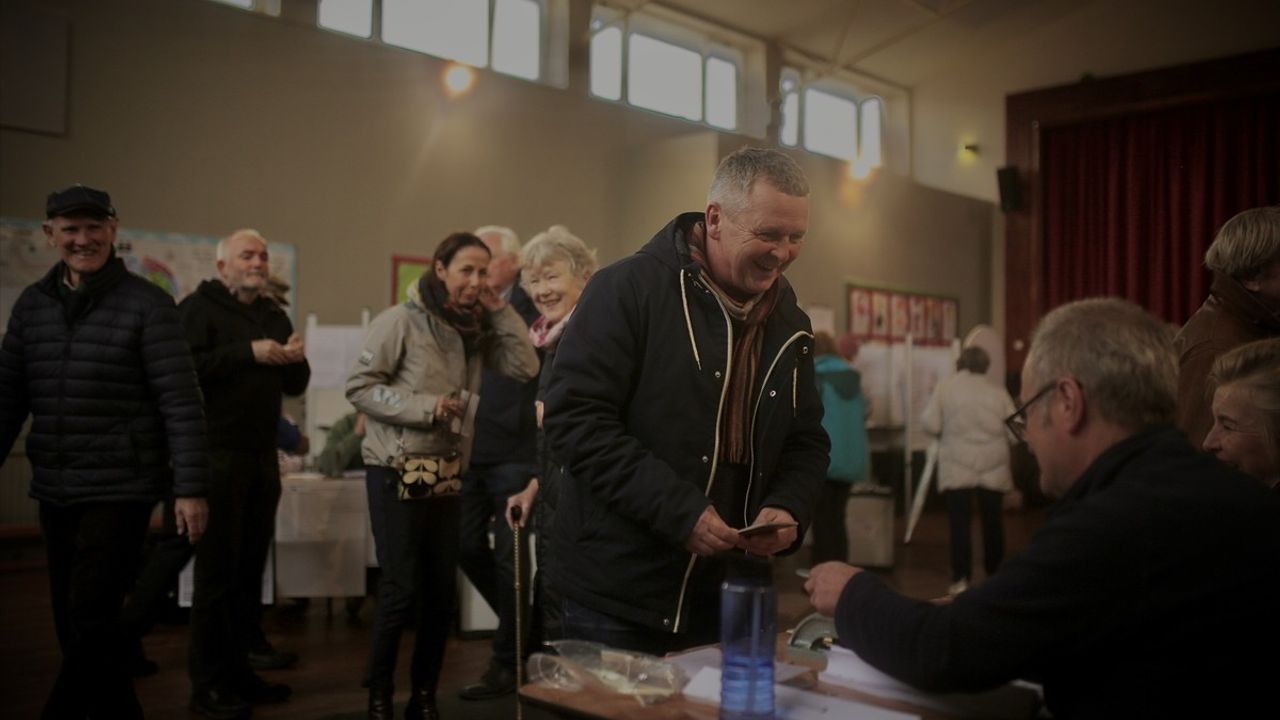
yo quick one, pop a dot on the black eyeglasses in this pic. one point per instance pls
(1017, 422)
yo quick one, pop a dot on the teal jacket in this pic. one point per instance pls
(843, 417)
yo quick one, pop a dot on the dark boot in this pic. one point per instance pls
(380, 704)
(422, 706)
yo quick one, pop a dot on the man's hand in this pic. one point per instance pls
(825, 583)
(191, 516)
(269, 352)
(294, 349)
(774, 541)
(523, 500)
(491, 300)
(710, 534)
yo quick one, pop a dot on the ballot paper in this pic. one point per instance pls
(795, 704)
(765, 527)
(1016, 701)
(695, 661)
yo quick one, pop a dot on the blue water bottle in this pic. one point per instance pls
(748, 620)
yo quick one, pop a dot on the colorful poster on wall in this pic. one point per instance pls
(879, 315)
(899, 316)
(915, 305)
(860, 312)
(876, 314)
(405, 271)
(933, 318)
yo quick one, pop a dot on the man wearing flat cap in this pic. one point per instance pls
(97, 357)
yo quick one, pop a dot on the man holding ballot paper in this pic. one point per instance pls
(684, 405)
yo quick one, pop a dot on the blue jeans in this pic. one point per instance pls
(417, 543)
(485, 489)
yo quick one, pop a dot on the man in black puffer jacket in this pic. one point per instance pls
(96, 355)
(247, 356)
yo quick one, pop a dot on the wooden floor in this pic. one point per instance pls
(326, 684)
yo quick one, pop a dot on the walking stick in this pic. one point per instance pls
(516, 514)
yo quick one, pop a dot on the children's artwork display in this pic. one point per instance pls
(889, 315)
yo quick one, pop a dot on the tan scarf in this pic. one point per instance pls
(750, 315)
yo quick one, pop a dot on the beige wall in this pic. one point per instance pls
(200, 118)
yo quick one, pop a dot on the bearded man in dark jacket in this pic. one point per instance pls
(684, 407)
(96, 355)
(247, 356)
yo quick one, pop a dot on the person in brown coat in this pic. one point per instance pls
(1243, 306)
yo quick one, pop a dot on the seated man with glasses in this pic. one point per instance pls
(1149, 590)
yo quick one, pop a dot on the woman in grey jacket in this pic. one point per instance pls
(417, 376)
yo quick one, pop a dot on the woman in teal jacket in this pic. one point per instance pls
(844, 419)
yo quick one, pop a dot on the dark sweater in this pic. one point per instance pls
(242, 397)
(506, 423)
(108, 379)
(1149, 592)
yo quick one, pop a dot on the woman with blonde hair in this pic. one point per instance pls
(1246, 410)
(554, 269)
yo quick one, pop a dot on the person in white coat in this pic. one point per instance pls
(967, 413)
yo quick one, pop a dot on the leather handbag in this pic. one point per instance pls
(430, 476)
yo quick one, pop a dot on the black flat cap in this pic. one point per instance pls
(78, 199)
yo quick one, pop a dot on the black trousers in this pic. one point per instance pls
(485, 489)
(92, 551)
(959, 507)
(164, 562)
(417, 545)
(830, 539)
(226, 608)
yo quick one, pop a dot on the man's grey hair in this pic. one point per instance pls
(1247, 244)
(557, 243)
(1122, 357)
(224, 243)
(507, 238)
(740, 169)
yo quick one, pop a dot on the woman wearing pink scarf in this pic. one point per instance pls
(554, 268)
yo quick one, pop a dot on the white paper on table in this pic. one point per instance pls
(709, 657)
(1011, 702)
(795, 704)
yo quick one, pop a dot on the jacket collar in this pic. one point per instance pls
(671, 249)
(216, 291)
(95, 284)
(1249, 306)
(1104, 470)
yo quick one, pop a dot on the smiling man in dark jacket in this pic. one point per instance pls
(684, 406)
(95, 354)
(247, 356)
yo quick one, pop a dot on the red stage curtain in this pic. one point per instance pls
(1131, 203)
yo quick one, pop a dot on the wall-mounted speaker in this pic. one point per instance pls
(1010, 188)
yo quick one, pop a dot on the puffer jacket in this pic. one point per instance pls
(967, 412)
(633, 412)
(112, 389)
(411, 358)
